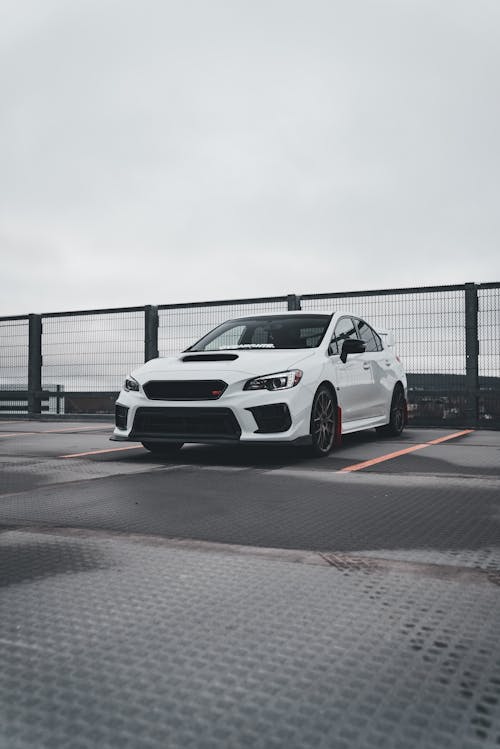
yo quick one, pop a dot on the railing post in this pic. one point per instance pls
(471, 354)
(150, 332)
(34, 365)
(293, 302)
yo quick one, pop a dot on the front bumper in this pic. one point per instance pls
(253, 417)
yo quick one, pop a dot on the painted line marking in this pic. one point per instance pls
(405, 451)
(99, 452)
(16, 434)
(75, 429)
(55, 431)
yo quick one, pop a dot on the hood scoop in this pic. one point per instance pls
(209, 357)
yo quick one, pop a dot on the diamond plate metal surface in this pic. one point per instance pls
(113, 643)
(276, 510)
(372, 621)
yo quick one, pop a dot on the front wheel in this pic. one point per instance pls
(397, 417)
(163, 449)
(323, 422)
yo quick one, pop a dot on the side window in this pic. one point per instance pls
(344, 329)
(368, 335)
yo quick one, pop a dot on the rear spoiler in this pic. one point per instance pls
(388, 338)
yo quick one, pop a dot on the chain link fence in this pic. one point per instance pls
(489, 355)
(83, 356)
(14, 348)
(74, 362)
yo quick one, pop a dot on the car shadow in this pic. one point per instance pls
(28, 558)
(257, 456)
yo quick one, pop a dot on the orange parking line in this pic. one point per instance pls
(76, 429)
(16, 434)
(405, 451)
(54, 431)
(98, 452)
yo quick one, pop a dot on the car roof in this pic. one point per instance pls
(292, 313)
(286, 313)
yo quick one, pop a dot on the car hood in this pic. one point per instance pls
(247, 364)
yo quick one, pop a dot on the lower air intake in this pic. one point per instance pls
(121, 413)
(186, 424)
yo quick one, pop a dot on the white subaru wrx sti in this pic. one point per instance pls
(294, 377)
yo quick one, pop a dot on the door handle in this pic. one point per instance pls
(367, 365)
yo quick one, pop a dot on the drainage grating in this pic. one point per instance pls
(347, 563)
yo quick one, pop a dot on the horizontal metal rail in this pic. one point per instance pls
(385, 292)
(261, 300)
(19, 395)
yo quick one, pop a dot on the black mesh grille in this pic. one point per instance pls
(271, 419)
(184, 390)
(186, 423)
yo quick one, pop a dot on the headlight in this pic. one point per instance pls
(277, 381)
(131, 384)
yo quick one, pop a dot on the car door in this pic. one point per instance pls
(373, 390)
(347, 376)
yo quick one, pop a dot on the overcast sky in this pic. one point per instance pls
(156, 152)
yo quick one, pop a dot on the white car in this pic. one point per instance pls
(292, 377)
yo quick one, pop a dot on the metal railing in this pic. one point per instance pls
(74, 362)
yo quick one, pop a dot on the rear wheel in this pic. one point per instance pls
(397, 417)
(323, 422)
(164, 449)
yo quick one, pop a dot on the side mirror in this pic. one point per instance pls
(352, 346)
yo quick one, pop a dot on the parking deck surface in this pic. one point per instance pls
(249, 597)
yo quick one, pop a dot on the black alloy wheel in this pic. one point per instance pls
(163, 449)
(397, 417)
(323, 422)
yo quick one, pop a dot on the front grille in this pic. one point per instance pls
(271, 419)
(184, 390)
(186, 423)
(121, 413)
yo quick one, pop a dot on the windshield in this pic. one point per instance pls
(273, 332)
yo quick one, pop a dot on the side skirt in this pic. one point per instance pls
(360, 424)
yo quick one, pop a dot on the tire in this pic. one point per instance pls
(323, 422)
(397, 418)
(163, 449)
